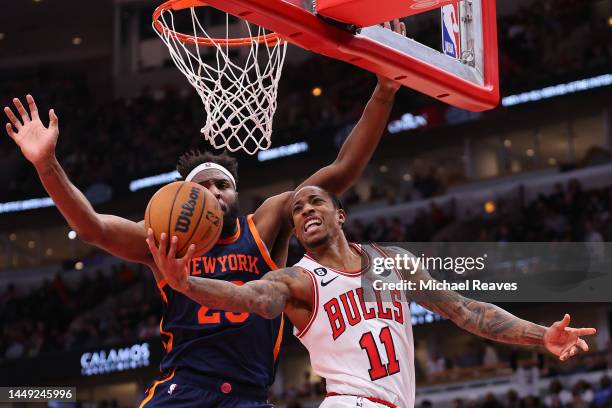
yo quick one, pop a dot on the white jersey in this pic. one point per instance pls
(362, 345)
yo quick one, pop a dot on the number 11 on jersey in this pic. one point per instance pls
(377, 369)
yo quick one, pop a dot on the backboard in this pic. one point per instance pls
(334, 28)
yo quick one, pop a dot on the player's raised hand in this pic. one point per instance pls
(37, 142)
(175, 270)
(399, 28)
(564, 341)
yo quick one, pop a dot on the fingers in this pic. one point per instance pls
(32, 106)
(569, 352)
(190, 252)
(399, 27)
(10, 131)
(582, 345)
(151, 242)
(173, 244)
(563, 323)
(581, 332)
(163, 244)
(16, 122)
(24, 114)
(387, 25)
(53, 120)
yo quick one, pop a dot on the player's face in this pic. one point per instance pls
(315, 218)
(221, 187)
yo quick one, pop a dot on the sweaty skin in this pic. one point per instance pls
(289, 290)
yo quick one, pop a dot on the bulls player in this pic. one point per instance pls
(208, 360)
(363, 349)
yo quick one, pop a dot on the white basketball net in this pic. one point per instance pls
(239, 96)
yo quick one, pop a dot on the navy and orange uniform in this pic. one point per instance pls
(214, 357)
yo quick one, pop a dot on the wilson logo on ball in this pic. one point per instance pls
(210, 216)
(184, 220)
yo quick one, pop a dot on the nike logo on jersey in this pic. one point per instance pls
(325, 283)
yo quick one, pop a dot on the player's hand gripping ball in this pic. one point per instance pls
(187, 210)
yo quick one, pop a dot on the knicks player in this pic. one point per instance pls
(363, 349)
(209, 359)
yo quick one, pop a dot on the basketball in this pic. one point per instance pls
(188, 211)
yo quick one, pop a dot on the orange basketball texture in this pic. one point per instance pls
(187, 210)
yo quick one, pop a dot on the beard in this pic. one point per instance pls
(229, 219)
(317, 242)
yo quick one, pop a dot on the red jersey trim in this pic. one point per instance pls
(348, 273)
(315, 303)
(373, 399)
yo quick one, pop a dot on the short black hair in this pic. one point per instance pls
(335, 200)
(194, 158)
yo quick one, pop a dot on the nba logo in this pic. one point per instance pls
(451, 44)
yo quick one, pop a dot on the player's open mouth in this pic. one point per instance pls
(312, 222)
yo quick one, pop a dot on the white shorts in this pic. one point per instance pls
(349, 401)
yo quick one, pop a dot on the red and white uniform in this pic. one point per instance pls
(363, 348)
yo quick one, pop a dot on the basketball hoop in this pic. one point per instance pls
(238, 93)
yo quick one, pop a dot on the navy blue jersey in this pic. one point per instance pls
(236, 347)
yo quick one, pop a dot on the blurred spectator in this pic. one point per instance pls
(603, 396)
(557, 396)
(490, 357)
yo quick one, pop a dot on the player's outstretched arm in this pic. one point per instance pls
(360, 145)
(492, 322)
(268, 297)
(119, 236)
(342, 173)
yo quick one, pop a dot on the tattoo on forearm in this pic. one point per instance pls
(266, 297)
(485, 319)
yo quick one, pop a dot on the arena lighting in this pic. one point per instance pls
(558, 90)
(282, 151)
(23, 205)
(138, 184)
(408, 121)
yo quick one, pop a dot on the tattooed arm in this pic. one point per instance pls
(285, 290)
(268, 297)
(492, 322)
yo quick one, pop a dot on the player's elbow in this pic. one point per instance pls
(92, 233)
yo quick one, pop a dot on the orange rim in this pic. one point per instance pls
(268, 39)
